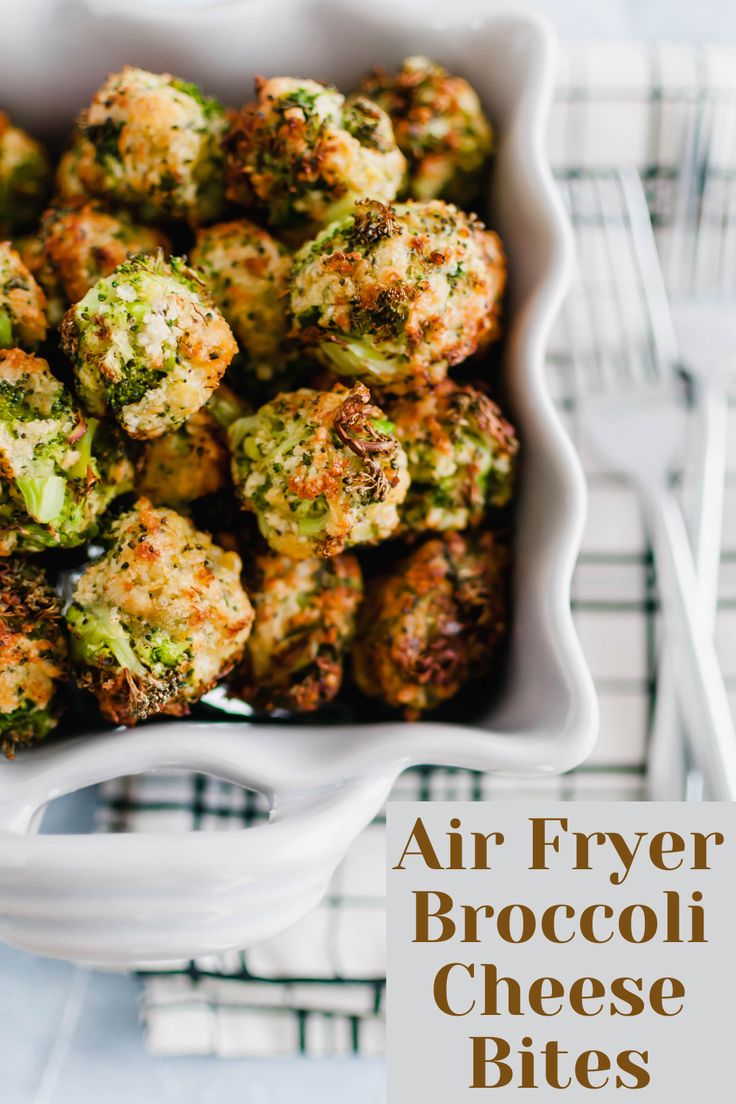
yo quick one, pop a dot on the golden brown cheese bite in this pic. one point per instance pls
(395, 294)
(435, 620)
(159, 618)
(22, 303)
(304, 621)
(78, 242)
(59, 471)
(321, 470)
(439, 125)
(156, 142)
(147, 345)
(24, 178)
(305, 154)
(461, 453)
(180, 467)
(193, 461)
(33, 655)
(247, 272)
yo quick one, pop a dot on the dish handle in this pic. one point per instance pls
(132, 899)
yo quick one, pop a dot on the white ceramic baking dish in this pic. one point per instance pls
(133, 899)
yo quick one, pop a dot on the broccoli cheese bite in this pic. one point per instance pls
(305, 153)
(33, 655)
(156, 141)
(194, 460)
(158, 618)
(58, 471)
(439, 126)
(396, 294)
(24, 178)
(461, 454)
(185, 465)
(147, 345)
(78, 242)
(67, 181)
(321, 470)
(432, 622)
(247, 274)
(22, 303)
(304, 621)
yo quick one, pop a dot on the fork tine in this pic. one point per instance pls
(592, 367)
(727, 282)
(680, 251)
(715, 229)
(609, 317)
(622, 264)
(701, 245)
(703, 235)
(652, 278)
(728, 258)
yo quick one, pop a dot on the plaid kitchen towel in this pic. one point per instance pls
(319, 988)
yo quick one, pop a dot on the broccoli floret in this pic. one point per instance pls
(360, 358)
(6, 329)
(225, 406)
(43, 498)
(98, 640)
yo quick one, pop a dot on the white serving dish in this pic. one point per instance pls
(132, 899)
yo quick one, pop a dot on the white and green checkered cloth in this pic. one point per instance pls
(319, 988)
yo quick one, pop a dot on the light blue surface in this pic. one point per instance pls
(72, 1037)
